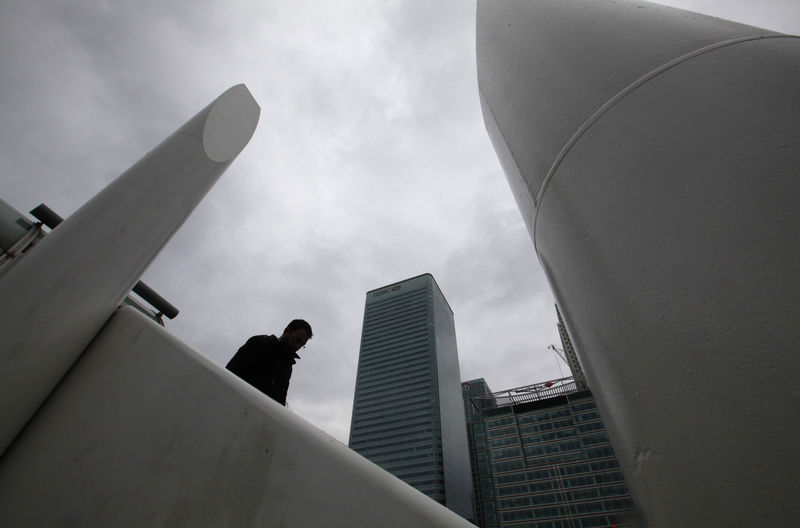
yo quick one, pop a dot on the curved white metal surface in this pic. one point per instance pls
(654, 154)
(144, 431)
(230, 123)
(56, 299)
(546, 66)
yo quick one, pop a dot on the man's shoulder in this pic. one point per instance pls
(262, 342)
(263, 339)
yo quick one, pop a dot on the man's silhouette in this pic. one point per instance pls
(265, 362)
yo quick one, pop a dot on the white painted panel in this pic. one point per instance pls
(144, 431)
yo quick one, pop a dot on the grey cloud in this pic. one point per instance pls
(370, 165)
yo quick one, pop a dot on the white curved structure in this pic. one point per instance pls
(145, 431)
(59, 296)
(654, 155)
(108, 420)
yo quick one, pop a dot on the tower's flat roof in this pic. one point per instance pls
(412, 278)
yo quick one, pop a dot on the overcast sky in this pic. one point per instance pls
(370, 165)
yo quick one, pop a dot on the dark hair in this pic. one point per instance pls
(299, 323)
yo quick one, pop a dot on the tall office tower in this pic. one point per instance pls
(543, 460)
(408, 414)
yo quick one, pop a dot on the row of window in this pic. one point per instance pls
(391, 334)
(502, 432)
(500, 454)
(567, 482)
(408, 443)
(559, 414)
(549, 415)
(404, 445)
(387, 423)
(409, 358)
(598, 436)
(382, 400)
(410, 477)
(587, 417)
(403, 459)
(547, 426)
(499, 422)
(560, 434)
(554, 458)
(612, 505)
(367, 405)
(395, 389)
(409, 461)
(504, 441)
(586, 494)
(602, 492)
(554, 414)
(423, 408)
(400, 432)
(538, 450)
(511, 465)
(429, 487)
(387, 303)
(409, 410)
(404, 427)
(595, 466)
(580, 430)
(584, 405)
(392, 378)
(396, 303)
(377, 352)
(604, 521)
(412, 350)
(376, 322)
(572, 421)
(400, 367)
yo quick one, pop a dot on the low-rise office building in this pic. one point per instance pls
(542, 459)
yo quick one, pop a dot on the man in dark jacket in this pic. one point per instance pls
(265, 362)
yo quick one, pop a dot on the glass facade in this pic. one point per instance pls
(408, 413)
(544, 463)
(482, 485)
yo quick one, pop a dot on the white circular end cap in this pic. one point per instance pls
(230, 124)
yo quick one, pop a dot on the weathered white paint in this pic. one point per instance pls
(654, 154)
(145, 431)
(56, 299)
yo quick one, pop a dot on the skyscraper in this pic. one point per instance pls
(408, 415)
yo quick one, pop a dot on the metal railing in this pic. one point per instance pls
(528, 393)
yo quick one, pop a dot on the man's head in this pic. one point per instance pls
(296, 334)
